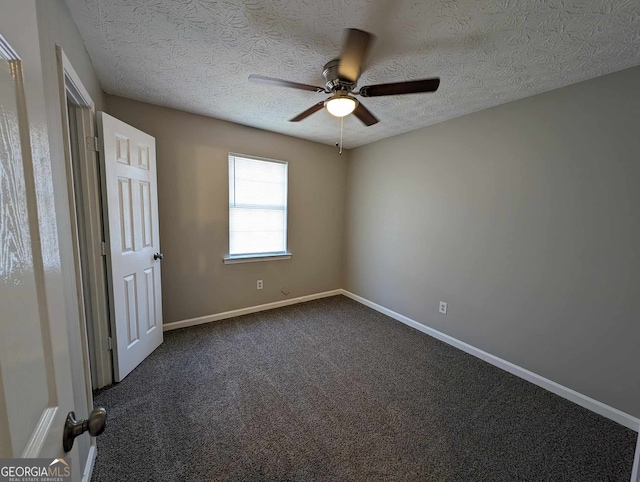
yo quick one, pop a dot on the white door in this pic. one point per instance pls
(133, 241)
(36, 390)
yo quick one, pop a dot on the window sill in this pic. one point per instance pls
(254, 258)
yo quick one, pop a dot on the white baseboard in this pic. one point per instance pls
(589, 403)
(635, 474)
(91, 460)
(245, 311)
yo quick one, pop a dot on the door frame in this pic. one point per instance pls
(70, 87)
(91, 231)
(635, 474)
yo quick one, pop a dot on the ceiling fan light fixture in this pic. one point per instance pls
(341, 105)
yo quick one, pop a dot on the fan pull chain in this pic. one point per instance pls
(341, 129)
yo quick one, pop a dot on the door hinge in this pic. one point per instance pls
(93, 143)
(103, 248)
(109, 343)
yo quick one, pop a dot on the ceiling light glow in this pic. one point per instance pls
(341, 106)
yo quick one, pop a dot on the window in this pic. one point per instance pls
(257, 208)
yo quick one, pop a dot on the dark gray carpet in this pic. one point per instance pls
(332, 390)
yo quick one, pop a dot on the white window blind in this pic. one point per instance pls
(257, 206)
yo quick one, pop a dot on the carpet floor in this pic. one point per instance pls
(332, 390)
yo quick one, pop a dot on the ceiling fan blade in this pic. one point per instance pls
(396, 88)
(259, 79)
(364, 115)
(354, 54)
(311, 110)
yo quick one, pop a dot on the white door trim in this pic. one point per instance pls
(87, 175)
(91, 461)
(100, 362)
(70, 85)
(635, 474)
(80, 94)
(73, 85)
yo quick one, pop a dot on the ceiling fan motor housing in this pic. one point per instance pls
(334, 82)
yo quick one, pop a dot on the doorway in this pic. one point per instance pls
(83, 170)
(116, 240)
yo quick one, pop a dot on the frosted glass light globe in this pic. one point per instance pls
(341, 106)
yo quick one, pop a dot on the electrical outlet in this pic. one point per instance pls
(259, 285)
(443, 308)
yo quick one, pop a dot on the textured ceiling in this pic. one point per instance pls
(196, 55)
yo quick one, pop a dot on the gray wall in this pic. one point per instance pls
(525, 218)
(192, 156)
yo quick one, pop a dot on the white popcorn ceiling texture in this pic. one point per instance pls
(196, 55)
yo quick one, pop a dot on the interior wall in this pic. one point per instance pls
(61, 30)
(192, 161)
(524, 218)
(55, 27)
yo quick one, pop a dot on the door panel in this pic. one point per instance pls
(126, 219)
(150, 292)
(36, 390)
(23, 352)
(131, 219)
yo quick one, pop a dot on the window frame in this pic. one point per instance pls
(256, 257)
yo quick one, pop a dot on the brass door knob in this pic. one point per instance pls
(95, 425)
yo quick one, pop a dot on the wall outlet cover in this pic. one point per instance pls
(443, 308)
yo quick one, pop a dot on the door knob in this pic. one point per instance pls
(158, 256)
(95, 425)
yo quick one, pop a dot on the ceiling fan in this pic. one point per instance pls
(342, 75)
